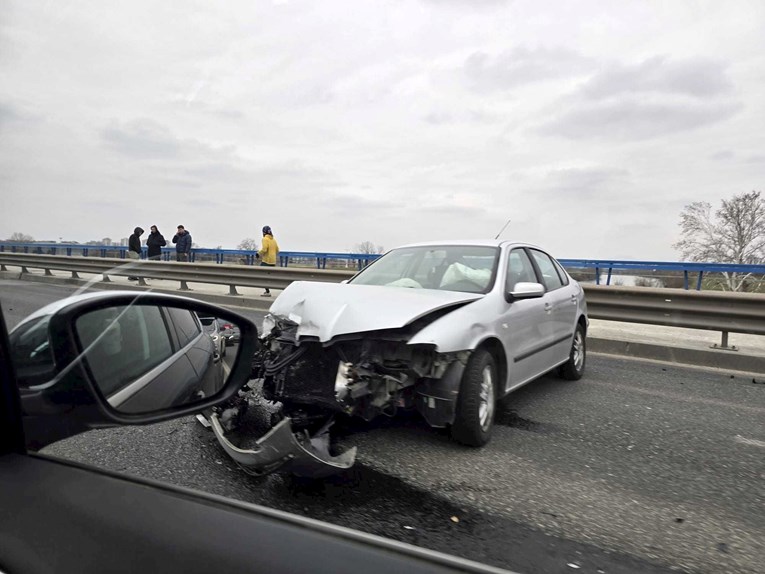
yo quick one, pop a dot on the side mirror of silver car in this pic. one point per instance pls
(523, 290)
(106, 359)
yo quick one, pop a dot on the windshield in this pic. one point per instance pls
(465, 268)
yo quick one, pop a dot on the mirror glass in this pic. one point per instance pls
(146, 358)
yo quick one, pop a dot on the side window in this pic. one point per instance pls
(32, 355)
(519, 269)
(561, 272)
(550, 275)
(123, 343)
(186, 325)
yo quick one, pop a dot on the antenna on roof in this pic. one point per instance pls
(501, 230)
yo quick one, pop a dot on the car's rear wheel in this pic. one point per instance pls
(223, 349)
(573, 369)
(477, 401)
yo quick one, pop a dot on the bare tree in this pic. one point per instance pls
(368, 247)
(248, 244)
(21, 237)
(735, 233)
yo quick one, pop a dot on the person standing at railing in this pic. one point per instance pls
(155, 242)
(182, 241)
(134, 247)
(268, 253)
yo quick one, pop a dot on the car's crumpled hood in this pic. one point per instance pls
(326, 310)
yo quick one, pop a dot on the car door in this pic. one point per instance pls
(127, 347)
(560, 305)
(525, 325)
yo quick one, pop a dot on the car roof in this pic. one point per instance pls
(470, 242)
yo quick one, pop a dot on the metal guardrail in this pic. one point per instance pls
(231, 275)
(359, 260)
(320, 259)
(708, 310)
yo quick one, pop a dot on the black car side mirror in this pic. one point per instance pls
(106, 359)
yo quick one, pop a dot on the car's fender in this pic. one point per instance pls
(464, 328)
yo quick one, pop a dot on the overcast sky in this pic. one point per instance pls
(589, 124)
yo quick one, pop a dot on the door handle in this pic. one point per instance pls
(548, 307)
(573, 298)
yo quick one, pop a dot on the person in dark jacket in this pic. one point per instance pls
(182, 241)
(155, 242)
(134, 247)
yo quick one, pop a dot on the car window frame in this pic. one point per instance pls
(172, 337)
(181, 344)
(565, 279)
(507, 268)
(538, 270)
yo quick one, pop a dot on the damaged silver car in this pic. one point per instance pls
(446, 329)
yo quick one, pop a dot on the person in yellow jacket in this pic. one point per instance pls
(268, 253)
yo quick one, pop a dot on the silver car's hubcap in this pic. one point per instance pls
(578, 351)
(486, 407)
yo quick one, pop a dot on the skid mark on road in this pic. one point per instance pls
(750, 441)
(679, 397)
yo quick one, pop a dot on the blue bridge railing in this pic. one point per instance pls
(360, 260)
(356, 260)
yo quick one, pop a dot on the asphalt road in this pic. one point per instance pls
(639, 467)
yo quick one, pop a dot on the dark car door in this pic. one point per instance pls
(200, 350)
(164, 343)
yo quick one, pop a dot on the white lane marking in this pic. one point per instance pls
(749, 441)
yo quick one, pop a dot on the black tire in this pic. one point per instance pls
(573, 369)
(472, 423)
(223, 353)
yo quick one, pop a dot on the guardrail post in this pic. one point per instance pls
(685, 280)
(608, 279)
(68, 251)
(232, 290)
(48, 273)
(24, 269)
(597, 276)
(724, 344)
(184, 286)
(75, 275)
(106, 279)
(698, 283)
(3, 268)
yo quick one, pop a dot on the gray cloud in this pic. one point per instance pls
(629, 119)
(699, 78)
(759, 158)
(521, 66)
(141, 138)
(11, 114)
(587, 182)
(459, 210)
(723, 155)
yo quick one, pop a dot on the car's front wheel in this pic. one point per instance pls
(573, 369)
(477, 400)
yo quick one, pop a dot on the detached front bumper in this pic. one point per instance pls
(282, 449)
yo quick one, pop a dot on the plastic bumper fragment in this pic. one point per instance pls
(282, 449)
